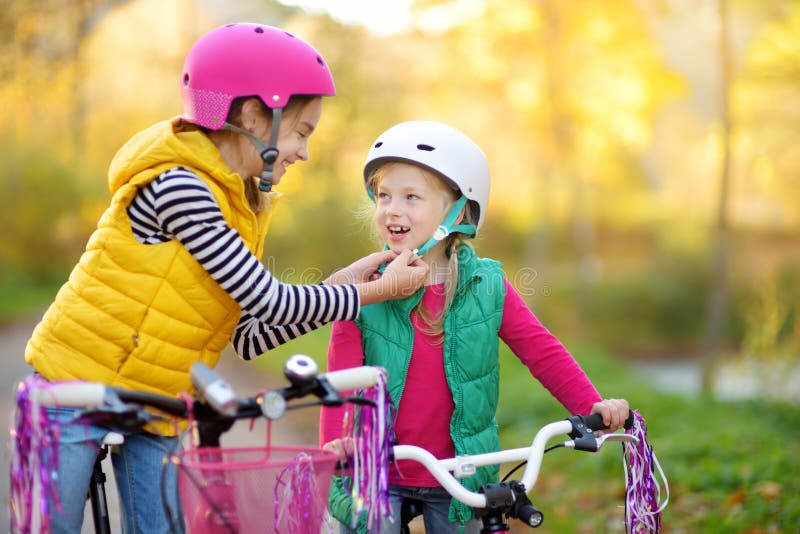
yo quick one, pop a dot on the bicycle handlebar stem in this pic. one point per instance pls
(507, 499)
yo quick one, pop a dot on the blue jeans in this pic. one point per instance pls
(435, 508)
(138, 470)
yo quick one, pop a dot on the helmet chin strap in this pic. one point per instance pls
(448, 227)
(268, 153)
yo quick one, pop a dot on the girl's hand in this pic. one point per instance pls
(363, 270)
(401, 278)
(614, 412)
(343, 448)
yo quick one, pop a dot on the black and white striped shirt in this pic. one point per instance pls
(179, 205)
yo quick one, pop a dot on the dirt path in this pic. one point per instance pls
(298, 427)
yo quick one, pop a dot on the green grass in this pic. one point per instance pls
(732, 467)
(314, 344)
(21, 296)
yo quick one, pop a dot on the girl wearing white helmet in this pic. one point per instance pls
(430, 185)
(172, 273)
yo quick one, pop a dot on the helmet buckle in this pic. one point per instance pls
(441, 232)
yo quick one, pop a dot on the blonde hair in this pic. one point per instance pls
(433, 323)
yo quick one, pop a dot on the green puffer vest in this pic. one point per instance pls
(470, 358)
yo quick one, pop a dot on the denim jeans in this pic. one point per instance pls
(138, 470)
(435, 507)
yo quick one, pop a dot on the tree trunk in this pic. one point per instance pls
(720, 264)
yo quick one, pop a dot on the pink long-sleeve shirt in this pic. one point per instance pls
(426, 406)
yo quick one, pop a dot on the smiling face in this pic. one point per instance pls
(410, 204)
(297, 124)
(296, 130)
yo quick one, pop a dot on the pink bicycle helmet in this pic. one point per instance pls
(245, 59)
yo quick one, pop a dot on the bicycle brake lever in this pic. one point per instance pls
(593, 444)
(624, 438)
(582, 435)
(359, 401)
(588, 444)
(327, 394)
(124, 417)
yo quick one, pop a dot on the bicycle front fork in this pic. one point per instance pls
(97, 495)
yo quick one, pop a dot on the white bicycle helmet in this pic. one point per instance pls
(441, 149)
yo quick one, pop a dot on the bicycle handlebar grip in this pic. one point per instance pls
(595, 421)
(71, 394)
(354, 378)
(629, 421)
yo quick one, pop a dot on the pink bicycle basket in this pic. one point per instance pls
(281, 490)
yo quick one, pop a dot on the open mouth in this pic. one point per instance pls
(398, 230)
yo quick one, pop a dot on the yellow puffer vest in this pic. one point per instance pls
(138, 316)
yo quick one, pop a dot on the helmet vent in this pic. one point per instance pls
(259, 30)
(378, 144)
(186, 79)
(426, 148)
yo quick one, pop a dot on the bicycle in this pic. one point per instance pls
(494, 504)
(215, 484)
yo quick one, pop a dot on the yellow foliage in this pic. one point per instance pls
(581, 107)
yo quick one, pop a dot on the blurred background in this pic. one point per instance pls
(645, 196)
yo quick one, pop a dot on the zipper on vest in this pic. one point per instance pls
(458, 403)
(449, 358)
(406, 366)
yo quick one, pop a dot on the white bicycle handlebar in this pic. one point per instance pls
(82, 394)
(446, 471)
(72, 394)
(353, 378)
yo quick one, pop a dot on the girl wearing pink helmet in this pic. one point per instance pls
(430, 185)
(172, 273)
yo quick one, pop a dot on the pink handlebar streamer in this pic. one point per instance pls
(34, 461)
(643, 493)
(373, 436)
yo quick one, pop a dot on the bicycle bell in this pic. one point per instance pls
(300, 369)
